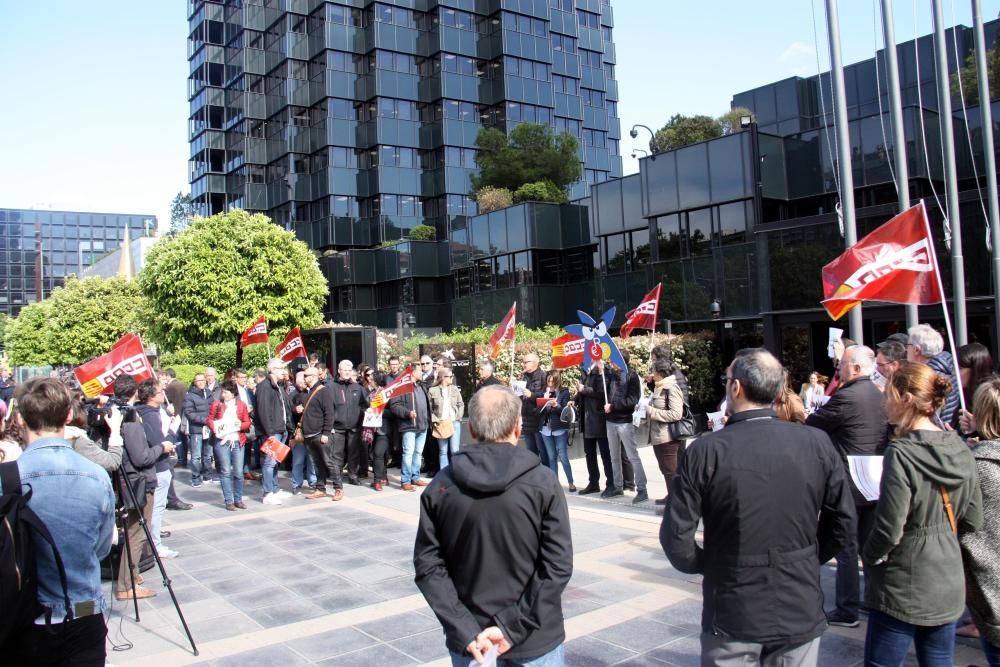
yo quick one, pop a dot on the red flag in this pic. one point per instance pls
(398, 387)
(291, 347)
(567, 351)
(127, 356)
(644, 315)
(894, 263)
(257, 333)
(504, 332)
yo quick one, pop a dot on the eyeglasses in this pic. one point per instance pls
(425, 363)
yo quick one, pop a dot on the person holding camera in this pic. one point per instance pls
(151, 398)
(109, 458)
(139, 472)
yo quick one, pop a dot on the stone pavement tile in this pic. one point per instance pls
(230, 625)
(199, 611)
(371, 572)
(401, 586)
(380, 654)
(581, 578)
(332, 643)
(287, 611)
(644, 660)
(312, 586)
(278, 654)
(839, 651)
(684, 652)
(348, 596)
(685, 615)
(208, 567)
(242, 583)
(185, 594)
(640, 634)
(337, 563)
(286, 569)
(425, 647)
(615, 591)
(264, 594)
(587, 652)
(192, 552)
(578, 606)
(399, 626)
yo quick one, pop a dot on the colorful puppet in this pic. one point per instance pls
(598, 343)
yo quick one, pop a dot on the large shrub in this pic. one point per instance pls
(492, 199)
(543, 191)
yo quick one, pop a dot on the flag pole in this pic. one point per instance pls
(944, 307)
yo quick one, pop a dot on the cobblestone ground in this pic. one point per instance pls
(317, 582)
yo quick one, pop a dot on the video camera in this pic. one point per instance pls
(97, 428)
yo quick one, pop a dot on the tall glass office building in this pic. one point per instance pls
(352, 122)
(39, 248)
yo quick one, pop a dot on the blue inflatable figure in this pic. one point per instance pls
(598, 343)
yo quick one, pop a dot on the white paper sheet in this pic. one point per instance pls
(372, 419)
(489, 660)
(866, 473)
(519, 386)
(835, 335)
(717, 420)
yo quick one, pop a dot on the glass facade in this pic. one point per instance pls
(38, 249)
(353, 122)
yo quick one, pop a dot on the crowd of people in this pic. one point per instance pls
(778, 490)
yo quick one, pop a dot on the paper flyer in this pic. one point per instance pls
(866, 473)
(835, 335)
(716, 419)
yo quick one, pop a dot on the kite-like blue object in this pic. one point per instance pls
(598, 343)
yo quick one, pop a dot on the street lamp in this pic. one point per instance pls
(634, 133)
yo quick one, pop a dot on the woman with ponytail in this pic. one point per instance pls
(929, 492)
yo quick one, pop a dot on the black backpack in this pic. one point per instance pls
(18, 573)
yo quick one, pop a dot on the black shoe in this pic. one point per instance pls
(660, 501)
(629, 486)
(164, 534)
(612, 492)
(590, 488)
(179, 506)
(353, 479)
(843, 620)
(640, 497)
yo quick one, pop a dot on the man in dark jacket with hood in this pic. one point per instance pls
(350, 402)
(197, 402)
(274, 419)
(534, 379)
(623, 395)
(496, 509)
(590, 402)
(776, 506)
(855, 420)
(926, 346)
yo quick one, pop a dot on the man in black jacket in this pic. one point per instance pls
(317, 432)
(590, 402)
(776, 505)
(496, 509)
(855, 420)
(197, 402)
(623, 395)
(139, 472)
(274, 419)
(486, 376)
(350, 402)
(534, 379)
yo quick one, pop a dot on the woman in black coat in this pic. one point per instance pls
(590, 400)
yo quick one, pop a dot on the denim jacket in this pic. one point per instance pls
(73, 497)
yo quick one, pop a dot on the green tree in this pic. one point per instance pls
(79, 321)
(970, 73)
(423, 233)
(731, 122)
(492, 199)
(532, 153)
(544, 191)
(5, 319)
(682, 131)
(181, 212)
(208, 283)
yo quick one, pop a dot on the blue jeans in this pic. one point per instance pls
(557, 449)
(553, 658)
(302, 467)
(889, 640)
(200, 451)
(413, 449)
(992, 653)
(451, 444)
(533, 441)
(269, 467)
(231, 466)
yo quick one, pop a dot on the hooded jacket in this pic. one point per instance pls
(495, 510)
(943, 364)
(623, 395)
(350, 401)
(666, 406)
(979, 548)
(274, 409)
(196, 405)
(911, 554)
(535, 383)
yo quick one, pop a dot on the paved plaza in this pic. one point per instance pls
(317, 582)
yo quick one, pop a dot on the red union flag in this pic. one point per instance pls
(504, 332)
(398, 387)
(644, 315)
(257, 333)
(894, 263)
(291, 347)
(567, 351)
(126, 357)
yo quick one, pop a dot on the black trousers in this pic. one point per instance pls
(848, 591)
(379, 447)
(79, 643)
(335, 464)
(328, 464)
(591, 446)
(357, 454)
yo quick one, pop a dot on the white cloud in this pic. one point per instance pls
(799, 58)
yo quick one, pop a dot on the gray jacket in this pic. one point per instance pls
(110, 460)
(979, 548)
(666, 406)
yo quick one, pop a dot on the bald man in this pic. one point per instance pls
(534, 379)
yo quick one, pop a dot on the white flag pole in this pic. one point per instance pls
(944, 307)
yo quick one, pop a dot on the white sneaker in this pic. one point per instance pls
(281, 493)
(167, 552)
(271, 499)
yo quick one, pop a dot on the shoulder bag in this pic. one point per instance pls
(297, 438)
(445, 428)
(683, 427)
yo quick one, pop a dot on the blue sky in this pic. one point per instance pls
(94, 110)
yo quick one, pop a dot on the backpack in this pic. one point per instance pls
(18, 573)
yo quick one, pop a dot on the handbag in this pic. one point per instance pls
(443, 429)
(683, 427)
(297, 437)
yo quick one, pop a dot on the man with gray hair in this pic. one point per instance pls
(776, 506)
(856, 422)
(926, 346)
(496, 509)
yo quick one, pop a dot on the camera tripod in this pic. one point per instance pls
(121, 481)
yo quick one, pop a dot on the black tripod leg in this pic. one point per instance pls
(130, 563)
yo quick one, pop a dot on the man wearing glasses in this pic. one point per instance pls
(776, 505)
(890, 353)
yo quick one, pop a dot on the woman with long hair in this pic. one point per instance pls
(447, 409)
(554, 430)
(666, 406)
(813, 392)
(229, 420)
(975, 366)
(979, 548)
(929, 493)
(788, 405)
(375, 438)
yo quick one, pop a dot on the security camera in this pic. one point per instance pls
(633, 133)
